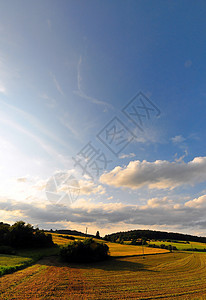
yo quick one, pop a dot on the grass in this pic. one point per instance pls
(24, 258)
(11, 263)
(182, 246)
(38, 253)
(166, 276)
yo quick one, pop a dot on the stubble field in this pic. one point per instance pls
(165, 276)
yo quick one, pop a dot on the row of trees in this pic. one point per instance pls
(21, 235)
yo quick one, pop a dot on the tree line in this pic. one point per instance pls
(22, 235)
(133, 235)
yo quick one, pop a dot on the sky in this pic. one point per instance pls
(102, 115)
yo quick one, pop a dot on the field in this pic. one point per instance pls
(166, 276)
(114, 248)
(129, 250)
(183, 245)
(10, 263)
(127, 275)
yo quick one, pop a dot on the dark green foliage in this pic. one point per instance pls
(163, 246)
(97, 235)
(138, 242)
(195, 249)
(7, 250)
(21, 235)
(86, 251)
(153, 235)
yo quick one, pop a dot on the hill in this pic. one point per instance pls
(152, 235)
(71, 232)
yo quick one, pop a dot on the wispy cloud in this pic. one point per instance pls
(57, 85)
(41, 142)
(127, 155)
(50, 102)
(2, 88)
(80, 92)
(36, 123)
(178, 139)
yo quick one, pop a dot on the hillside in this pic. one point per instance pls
(152, 235)
(71, 232)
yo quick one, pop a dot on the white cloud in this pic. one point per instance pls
(127, 155)
(159, 174)
(178, 139)
(87, 187)
(22, 179)
(159, 202)
(197, 202)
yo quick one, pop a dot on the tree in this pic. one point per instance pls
(86, 251)
(97, 235)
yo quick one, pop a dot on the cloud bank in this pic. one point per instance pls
(157, 211)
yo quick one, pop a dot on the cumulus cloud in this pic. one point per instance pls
(86, 187)
(197, 202)
(159, 174)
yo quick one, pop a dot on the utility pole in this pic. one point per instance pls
(142, 249)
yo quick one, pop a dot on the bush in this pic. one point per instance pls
(86, 251)
(67, 237)
(6, 250)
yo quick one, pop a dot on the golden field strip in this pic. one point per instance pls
(115, 248)
(165, 276)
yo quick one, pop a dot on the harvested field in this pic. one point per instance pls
(165, 276)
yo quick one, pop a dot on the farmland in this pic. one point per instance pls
(127, 275)
(171, 276)
(182, 246)
(114, 248)
(9, 263)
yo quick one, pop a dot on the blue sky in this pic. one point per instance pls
(66, 70)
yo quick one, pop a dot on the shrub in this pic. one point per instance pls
(6, 250)
(67, 237)
(86, 251)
